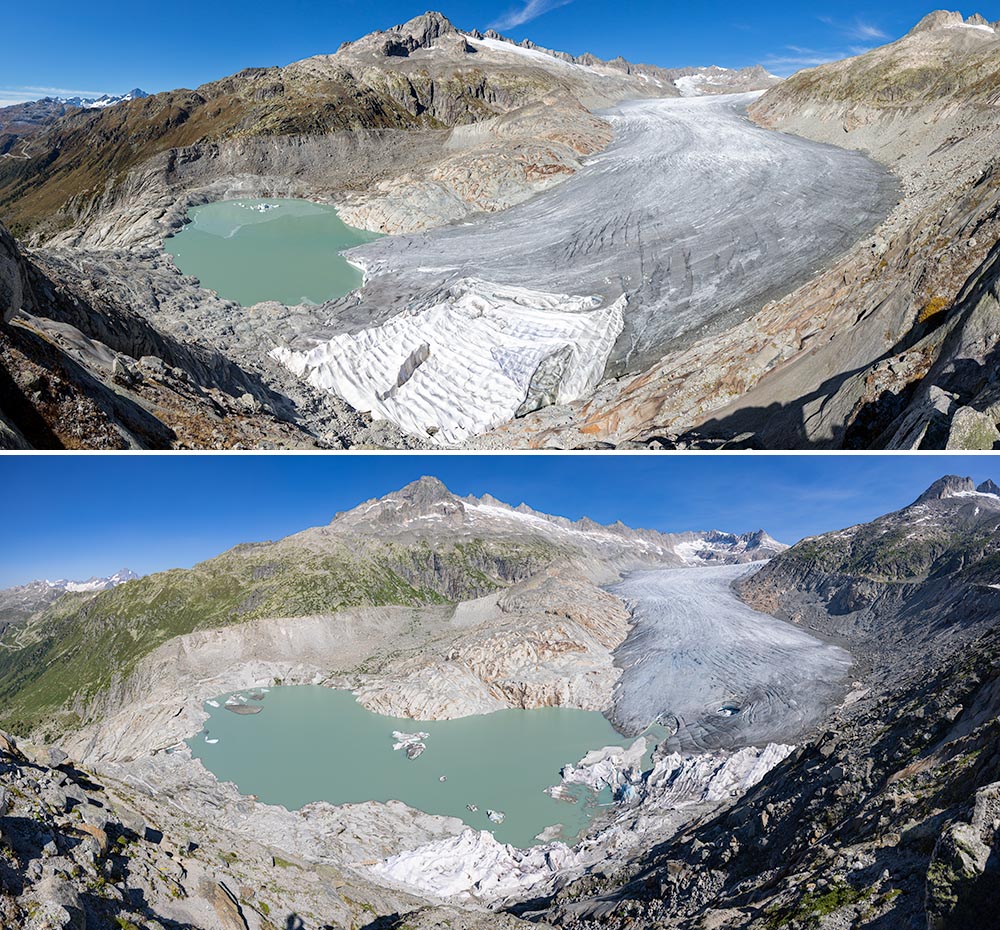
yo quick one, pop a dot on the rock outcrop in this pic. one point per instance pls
(80, 851)
(15, 291)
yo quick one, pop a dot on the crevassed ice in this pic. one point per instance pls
(465, 364)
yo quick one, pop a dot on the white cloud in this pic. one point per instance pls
(529, 10)
(12, 95)
(862, 30)
(845, 45)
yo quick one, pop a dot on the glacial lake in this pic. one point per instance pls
(311, 743)
(283, 250)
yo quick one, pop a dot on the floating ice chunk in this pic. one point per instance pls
(412, 743)
(610, 767)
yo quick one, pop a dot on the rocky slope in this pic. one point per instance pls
(79, 851)
(888, 347)
(887, 818)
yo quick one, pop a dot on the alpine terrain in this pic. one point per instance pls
(568, 259)
(808, 734)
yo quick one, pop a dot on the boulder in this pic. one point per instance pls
(14, 288)
(9, 746)
(963, 879)
(971, 429)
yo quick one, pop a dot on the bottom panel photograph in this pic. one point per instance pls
(486, 691)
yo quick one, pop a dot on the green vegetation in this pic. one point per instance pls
(814, 905)
(82, 647)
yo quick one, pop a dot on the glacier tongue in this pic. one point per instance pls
(473, 865)
(464, 365)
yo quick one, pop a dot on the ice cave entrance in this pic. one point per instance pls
(310, 743)
(255, 250)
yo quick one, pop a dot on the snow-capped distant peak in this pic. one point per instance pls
(102, 102)
(720, 546)
(94, 584)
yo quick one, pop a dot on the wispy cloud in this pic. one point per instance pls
(855, 29)
(862, 30)
(847, 37)
(12, 95)
(529, 10)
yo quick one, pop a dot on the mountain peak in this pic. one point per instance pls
(948, 486)
(989, 487)
(425, 490)
(949, 19)
(419, 32)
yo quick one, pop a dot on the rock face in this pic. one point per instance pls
(78, 853)
(15, 292)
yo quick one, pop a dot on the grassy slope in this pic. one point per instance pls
(81, 649)
(902, 548)
(75, 160)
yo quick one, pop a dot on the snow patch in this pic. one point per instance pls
(541, 57)
(979, 27)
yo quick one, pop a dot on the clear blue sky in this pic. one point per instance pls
(77, 516)
(112, 45)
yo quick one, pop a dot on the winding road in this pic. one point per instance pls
(702, 662)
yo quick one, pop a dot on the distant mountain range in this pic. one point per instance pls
(23, 119)
(99, 103)
(20, 602)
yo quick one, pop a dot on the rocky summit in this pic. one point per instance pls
(824, 754)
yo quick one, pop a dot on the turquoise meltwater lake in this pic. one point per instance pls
(311, 743)
(269, 249)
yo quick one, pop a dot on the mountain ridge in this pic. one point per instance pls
(451, 551)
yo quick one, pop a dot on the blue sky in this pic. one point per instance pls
(67, 47)
(78, 516)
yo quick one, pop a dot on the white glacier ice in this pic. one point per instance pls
(464, 365)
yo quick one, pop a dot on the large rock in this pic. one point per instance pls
(962, 880)
(15, 292)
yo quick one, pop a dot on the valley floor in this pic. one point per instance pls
(714, 652)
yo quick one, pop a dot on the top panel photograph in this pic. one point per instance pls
(546, 224)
